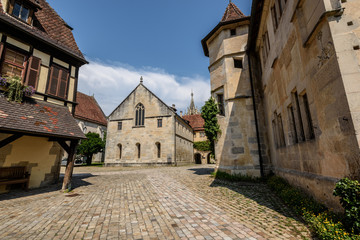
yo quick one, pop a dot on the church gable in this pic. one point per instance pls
(152, 105)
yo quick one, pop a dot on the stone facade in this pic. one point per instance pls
(304, 58)
(162, 138)
(236, 151)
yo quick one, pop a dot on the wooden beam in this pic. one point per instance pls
(9, 140)
(64, 146)
(70, 166)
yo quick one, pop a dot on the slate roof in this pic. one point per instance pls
(195, 121)
(232, 12)
(89, 110)
(38, 118)
(53, 30)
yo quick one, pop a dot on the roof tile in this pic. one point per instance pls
(39, 118)
(89, 110)
(195, 121)
(232, 12)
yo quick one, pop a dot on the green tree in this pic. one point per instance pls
(211, 126)
(90, 146)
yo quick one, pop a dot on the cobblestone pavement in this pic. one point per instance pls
(150, 203)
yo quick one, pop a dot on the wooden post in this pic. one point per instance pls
(70, 166)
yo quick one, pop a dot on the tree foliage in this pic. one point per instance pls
(90, 146)
(202, 145)
(211, 126)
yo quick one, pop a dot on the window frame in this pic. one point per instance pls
(59, 78)
(140, 115)
(119, 128)
(22, 4)
(7, 48)
(159, 123)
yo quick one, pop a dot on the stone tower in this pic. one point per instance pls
(237, 149)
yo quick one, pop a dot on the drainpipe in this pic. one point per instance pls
(175, 139)
(256, 118)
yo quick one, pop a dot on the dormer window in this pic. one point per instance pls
(23, 10)
(20, 11)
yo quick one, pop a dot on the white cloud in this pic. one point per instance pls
(111, 83)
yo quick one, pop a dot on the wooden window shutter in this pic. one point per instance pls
(54, 78)
(1, 49)
(64, 76)
(32, 75)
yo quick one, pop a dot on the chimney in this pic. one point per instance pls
(173, 107)
(181, 114)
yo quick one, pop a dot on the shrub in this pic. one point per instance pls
(349, 193)
(327, 225)
(203, 146)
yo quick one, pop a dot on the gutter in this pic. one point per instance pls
(256, 118)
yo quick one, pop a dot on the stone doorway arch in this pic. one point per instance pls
(197, 157)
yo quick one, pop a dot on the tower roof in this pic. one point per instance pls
(232, 12)
(232, 15)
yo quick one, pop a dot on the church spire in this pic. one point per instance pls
(192, 109)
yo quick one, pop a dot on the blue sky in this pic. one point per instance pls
(159, 39)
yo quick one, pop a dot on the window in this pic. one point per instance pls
(158, 148)
(58, 81)
(238, 63)
(120, 150)
(202, 134)
(266, 46)
(308, 121)
(233, 32)
(33, 72)
(220, 98)
(138, 147)
(293, 132)
(274, 17)
(299, 123)
(159, 123)
(14, 64)
(139, 115)
(278, 131)
(20, 11)
(119, 125)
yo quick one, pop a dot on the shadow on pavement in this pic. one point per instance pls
(202, 171)
(260, 193)
(17, 192)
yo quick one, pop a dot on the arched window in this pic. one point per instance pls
(120, 150)
(138, 147)
(158, 148)
(139, 115)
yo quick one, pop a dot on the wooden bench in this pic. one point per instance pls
(14, 175)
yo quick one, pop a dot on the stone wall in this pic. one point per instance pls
(236, 150)
(148, 136)
(309, 118)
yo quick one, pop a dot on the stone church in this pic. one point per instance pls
(286, 80)
(143, 130)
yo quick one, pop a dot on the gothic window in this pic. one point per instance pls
(120, 150)
(139, 115)
(158, 148)
(138, 148)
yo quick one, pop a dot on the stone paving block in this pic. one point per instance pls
(149, 203)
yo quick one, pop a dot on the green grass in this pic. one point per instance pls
(234, 177)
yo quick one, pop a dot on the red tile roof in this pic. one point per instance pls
(195, 121)
(38, 118)
(54, 29)
(89, 110)
(232, 12)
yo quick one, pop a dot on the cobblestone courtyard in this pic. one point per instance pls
(149, 203)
